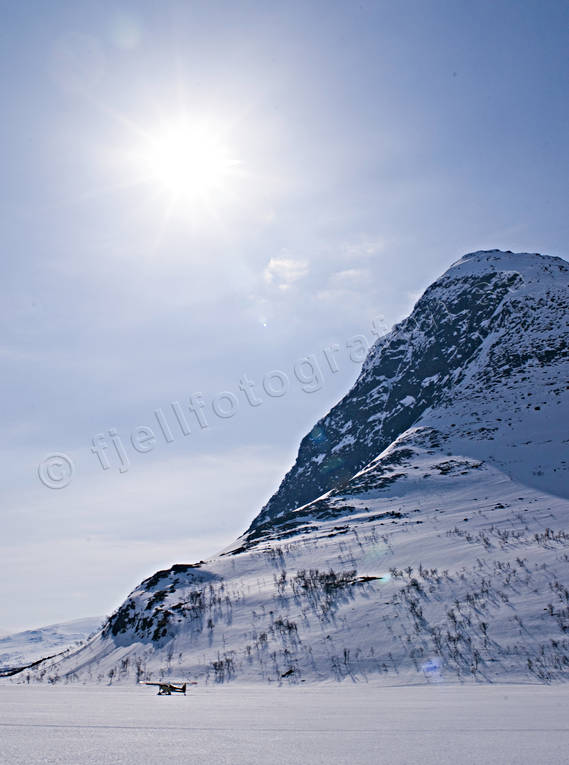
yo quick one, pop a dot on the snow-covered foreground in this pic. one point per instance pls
(332, 723)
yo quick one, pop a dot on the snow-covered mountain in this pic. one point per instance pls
(489, 316)
(20, 648)
(423, 531)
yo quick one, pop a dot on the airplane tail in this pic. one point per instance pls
(184, 689)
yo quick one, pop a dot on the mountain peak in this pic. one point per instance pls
(529, 263)
(489, 305)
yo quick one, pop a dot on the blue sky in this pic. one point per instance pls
(371, 144)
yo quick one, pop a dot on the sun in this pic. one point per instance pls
(186, 162)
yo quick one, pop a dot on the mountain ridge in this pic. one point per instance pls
(26, 646)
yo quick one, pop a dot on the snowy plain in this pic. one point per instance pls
(323, 724)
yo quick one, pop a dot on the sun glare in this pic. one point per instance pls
(187, 163)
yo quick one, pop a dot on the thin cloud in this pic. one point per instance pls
(349, 278)
(283, 272)
(366, 247)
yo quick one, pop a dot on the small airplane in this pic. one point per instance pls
(167, 689)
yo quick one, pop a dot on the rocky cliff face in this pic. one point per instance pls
(490, 314)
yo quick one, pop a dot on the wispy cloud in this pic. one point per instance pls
(284, 271)
(349, 278)
(364, 247)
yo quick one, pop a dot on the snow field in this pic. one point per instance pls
(325, 724)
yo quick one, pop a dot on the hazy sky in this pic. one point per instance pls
(339, 156)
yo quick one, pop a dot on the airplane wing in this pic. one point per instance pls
(167, 685)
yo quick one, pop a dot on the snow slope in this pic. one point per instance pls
(422, 534)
